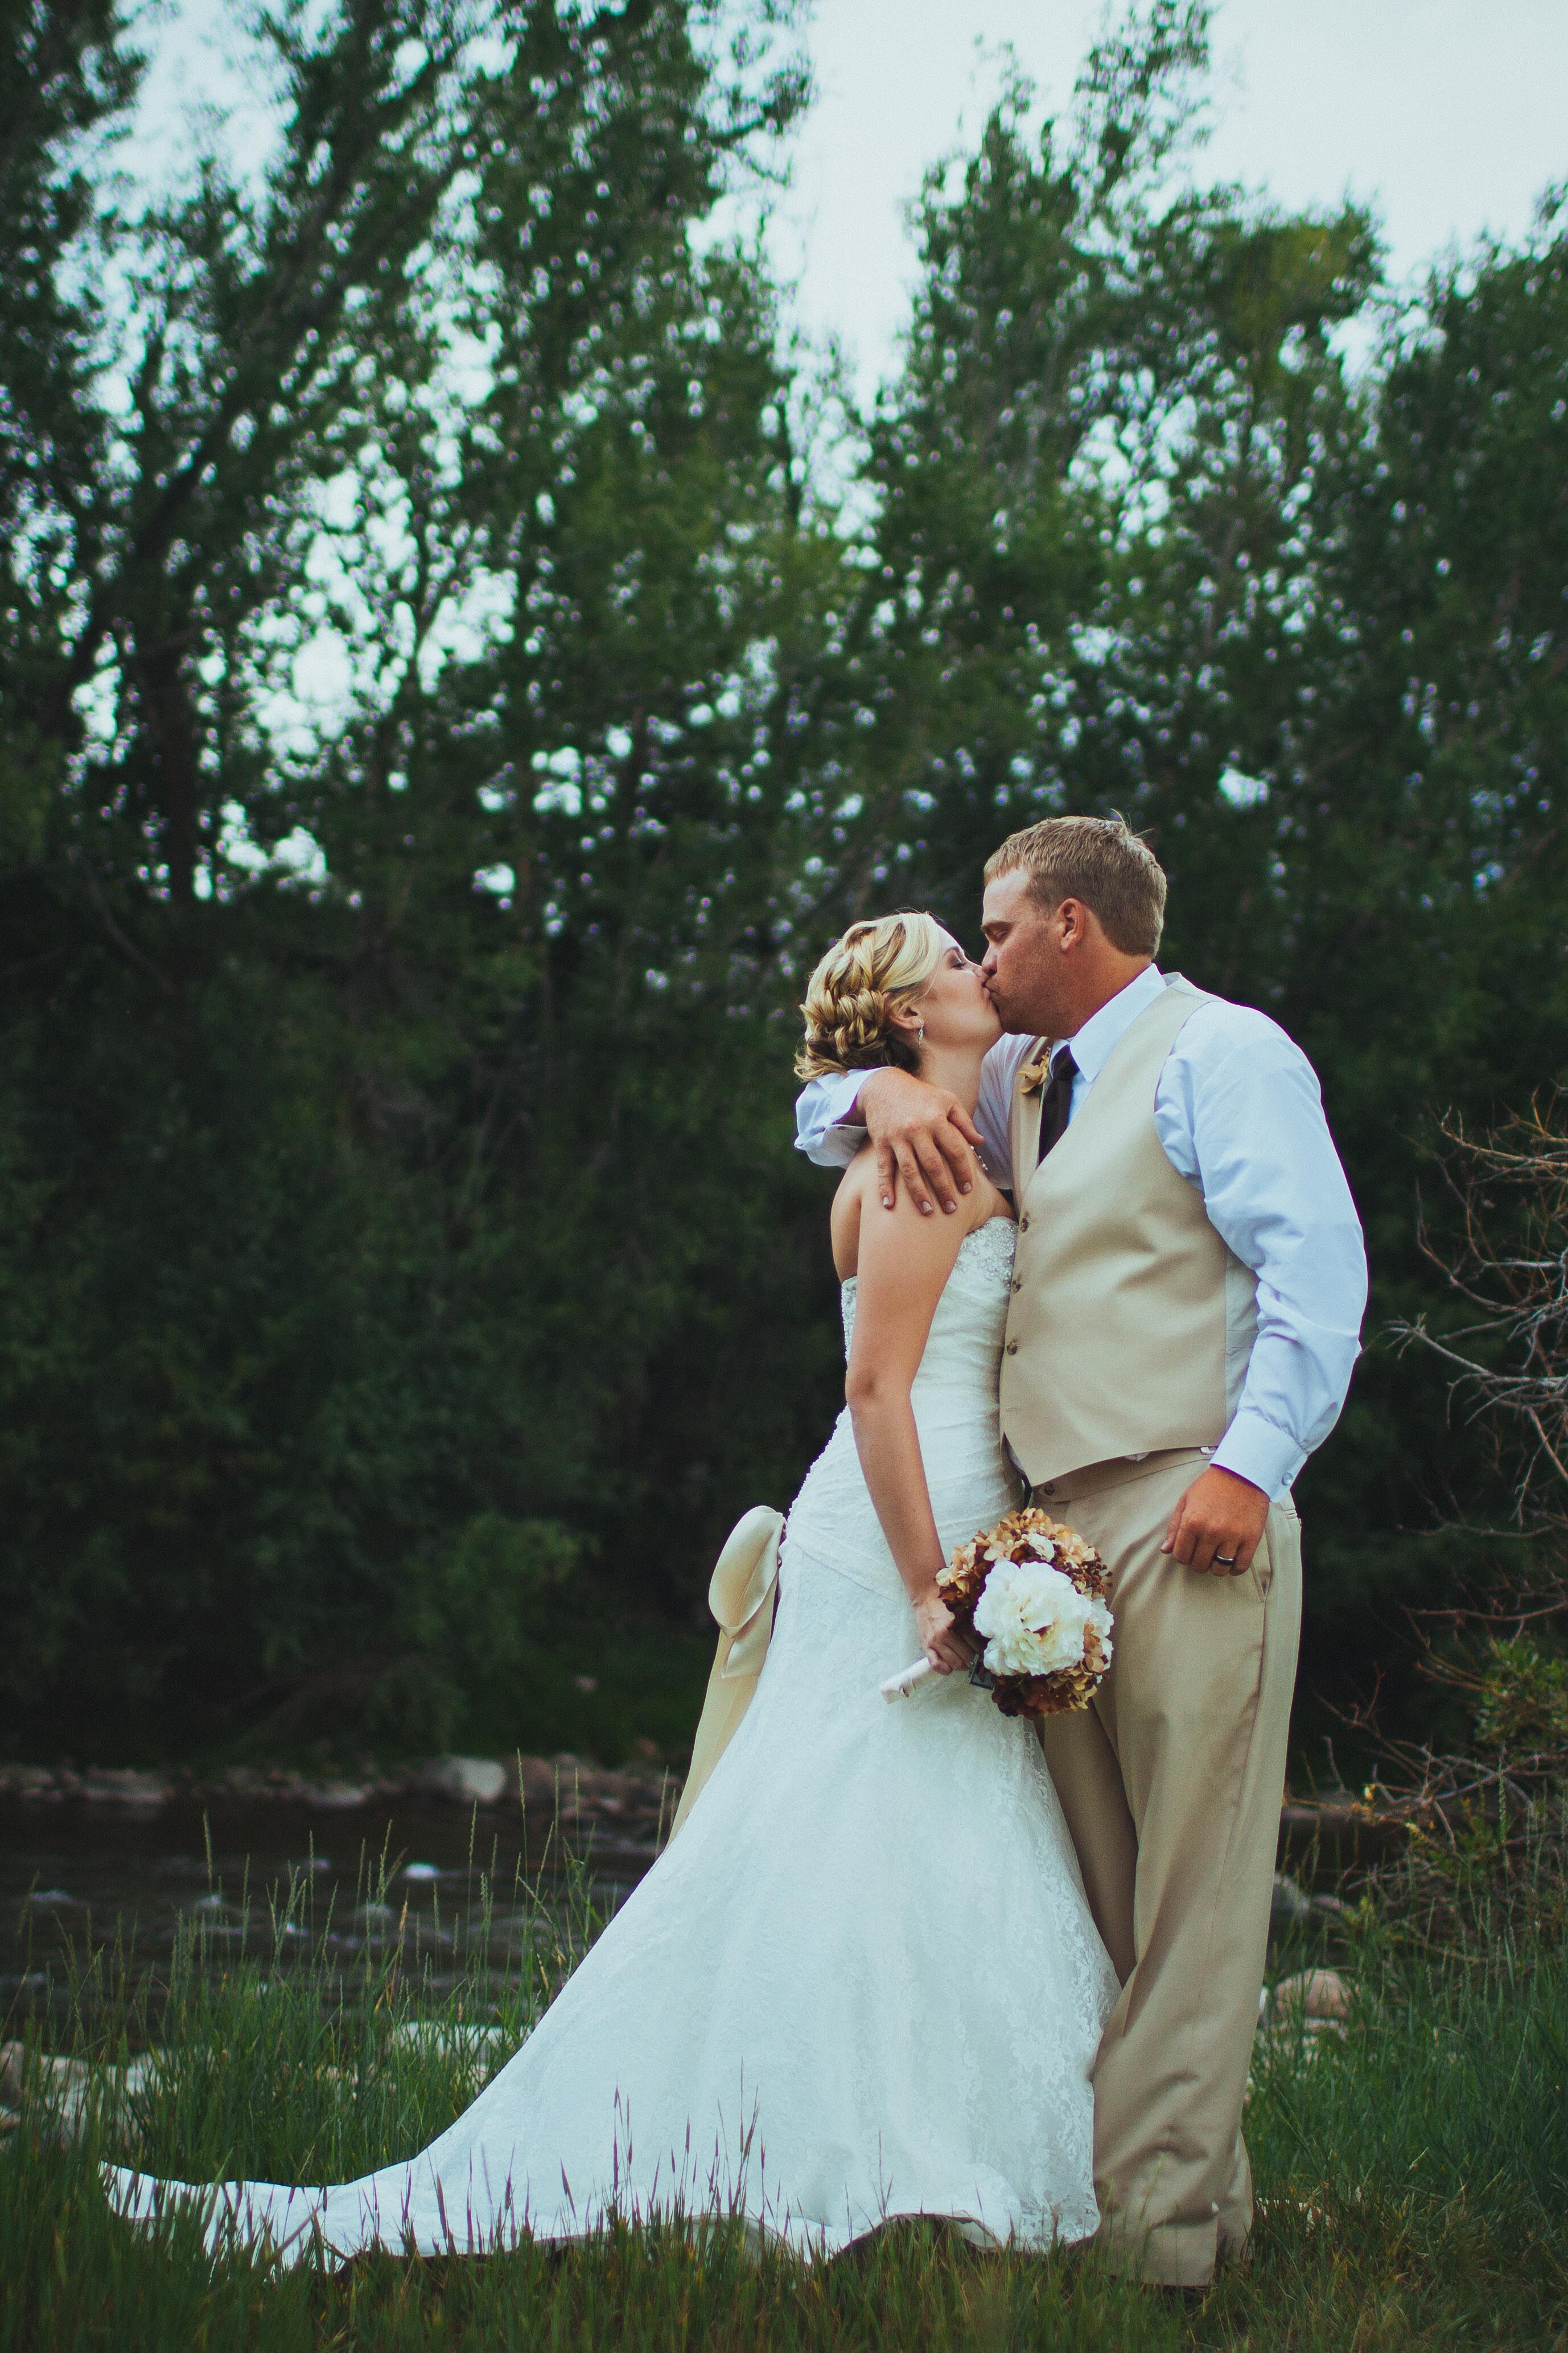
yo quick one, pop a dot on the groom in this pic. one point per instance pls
(1187, 1297)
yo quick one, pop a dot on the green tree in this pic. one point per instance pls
(70, 77)
(368, 1208)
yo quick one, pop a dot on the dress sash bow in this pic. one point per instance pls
(740, 1594)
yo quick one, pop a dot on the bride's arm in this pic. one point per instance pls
(904, 1262)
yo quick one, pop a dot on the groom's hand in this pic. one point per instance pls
(923, 1135)
(1218, 1525)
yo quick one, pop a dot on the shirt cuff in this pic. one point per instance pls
(1257, 1449)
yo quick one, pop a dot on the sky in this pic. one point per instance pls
(1448, 116)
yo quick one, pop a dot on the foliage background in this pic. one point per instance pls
(405, 1273)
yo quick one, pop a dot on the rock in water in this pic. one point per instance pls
(335, 1797)
(66, 2091)
(480, 2049)
(538, 1782)
(126, 1789)
(467, 1780)
(1318, 1994)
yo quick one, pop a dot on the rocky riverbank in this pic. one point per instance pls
(633, 1801)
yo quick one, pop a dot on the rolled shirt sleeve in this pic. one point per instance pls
(1240, 1116)
(821, 1109)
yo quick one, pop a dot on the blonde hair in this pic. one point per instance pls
(873, 972)
(1100, 860)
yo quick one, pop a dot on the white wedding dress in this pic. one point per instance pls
(862, 1982)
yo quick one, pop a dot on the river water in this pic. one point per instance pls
(460, 1892)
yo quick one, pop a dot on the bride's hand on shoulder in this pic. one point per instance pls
(947, 1649)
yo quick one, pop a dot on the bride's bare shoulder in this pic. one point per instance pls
(844, 1225)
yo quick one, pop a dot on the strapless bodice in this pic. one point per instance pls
(964, 1345)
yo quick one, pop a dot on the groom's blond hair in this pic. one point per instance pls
(1098, 859)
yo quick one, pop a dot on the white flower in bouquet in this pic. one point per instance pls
(1038, 1596)
(1035, 1620)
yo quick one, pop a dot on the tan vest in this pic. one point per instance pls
(1132, 1323)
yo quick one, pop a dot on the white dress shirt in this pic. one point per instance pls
(1238, 1112)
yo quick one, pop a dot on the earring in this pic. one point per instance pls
(921, 1035)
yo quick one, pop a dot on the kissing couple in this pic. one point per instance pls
(1095, 1243)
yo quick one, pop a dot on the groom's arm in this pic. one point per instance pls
(1240, 1116)
(922, 1133)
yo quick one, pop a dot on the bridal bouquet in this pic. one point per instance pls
(1037, 1595)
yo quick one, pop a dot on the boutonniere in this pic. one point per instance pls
(1032, 1077)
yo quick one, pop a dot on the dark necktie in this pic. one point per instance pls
(1056, 1101)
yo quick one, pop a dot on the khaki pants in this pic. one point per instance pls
(1172, 1784)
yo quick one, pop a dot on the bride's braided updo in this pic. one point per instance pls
(875, 970)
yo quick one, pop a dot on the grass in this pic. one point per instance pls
(1412, 2181)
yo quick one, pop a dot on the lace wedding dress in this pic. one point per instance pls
(863, 1980)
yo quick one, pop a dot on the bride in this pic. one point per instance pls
(863, 1980)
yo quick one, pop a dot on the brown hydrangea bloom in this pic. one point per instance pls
(962, 1582)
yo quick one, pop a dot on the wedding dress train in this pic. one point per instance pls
(862, 1982)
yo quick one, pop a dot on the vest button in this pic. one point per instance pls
(1017, 1282)
(1022, 1225)
(1012, 1348)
